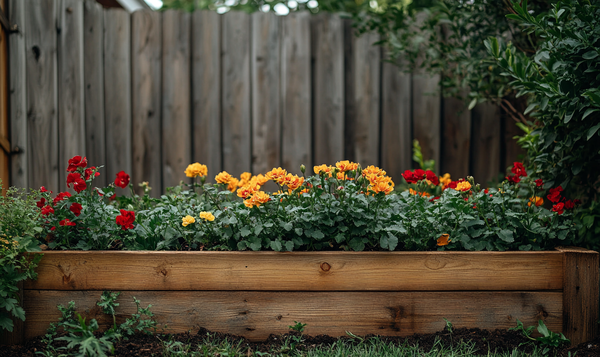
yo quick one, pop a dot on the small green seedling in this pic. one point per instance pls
(548, 338)
(299, 326)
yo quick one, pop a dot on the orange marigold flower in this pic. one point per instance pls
(295, 182)
(445, 180)
(463, 186)
(443, 240)
(248, 190)
(196, 169)
(246, 176)
(277, 174)
(223, 177)
(386, 186)
(233, 184)
(343, 176)
(346, 165)
(423, 194)
(323, 168)
(257, 199)
(259, 179)
(373, 170)
(538, 201)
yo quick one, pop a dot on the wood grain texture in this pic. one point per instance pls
(266, 91)
(146, 30)
(366, 83)
(328, 88)
(236, 88)
(580, 299)
(396, 128)
(4, 133)
(296, 146)
(426, 104)
(17, 95)
(71, 111)
(485, 150)
(299, 271)
(117, 92)
(176, 97)
(93, 54)
(42, 124)
(255, 315)
(456, 133)
(206, 91)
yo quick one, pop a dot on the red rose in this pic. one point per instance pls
(122, 179)
(518, 169)
(43, 189)
(409, 176)
(569, 204)
(559, 208)
(539, 182)
(78, 183)
(53, 229)
(47, 210)
(66, 222)
(419, 174)
(61, 196)
(432, 177)
(75, 162)
(75, 208)
(554, 194)
(126, 219)
(89, 171)
(41, 202)
(513, 179)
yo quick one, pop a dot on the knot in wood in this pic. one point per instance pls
(325, 266)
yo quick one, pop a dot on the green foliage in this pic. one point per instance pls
(548, 338)
(418, 157)
(298, 326)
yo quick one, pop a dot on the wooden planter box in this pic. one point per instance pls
(254, 294)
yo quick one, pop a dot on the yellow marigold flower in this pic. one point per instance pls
(538, 201)
(257, 199)
(373, 170)
(233, 184)
(207, 216)
(382, 186)
(346, 165)
(223, 177)
(260, 179)
(277, 174)
(248, 190)
(196, 169)
(323, 168)
(305, 190)
(413, 192)
(445, 180)
(463, 186)
(246, 176)
(443, 240)
(295, 182)
(187, 220)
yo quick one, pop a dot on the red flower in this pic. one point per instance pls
(75, 208)
(434, 199)
(66, 222)
(47, 210)
(539, 182)
(419, 174)
(559, 207)
(513, 179)
(43, 189)
(486, 191)
(569, 204)
(409, 177)
(126, 219)
(518, 169)
(122, 179)
(89, 171)
(41, 202)
(61, 196)
(432, 177)
(554, 195)
(78, 183)
(75, 162)
(53, 229)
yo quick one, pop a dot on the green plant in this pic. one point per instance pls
(298, 327)
(548, 338)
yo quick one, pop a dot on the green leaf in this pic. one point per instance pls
(588, 112)
(289, 246)
(317, 234)
(473, 103)
(506, 236)
(576, 168)
(245, 231)
(276, 245)
(590, 54)
(592, 131)
(288, 226)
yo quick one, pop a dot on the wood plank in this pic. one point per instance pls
(580, 299)
(206, 91)
(485, 149)
(71, 115)
(42, 124)
(456, 133)
(255, 315)
(349, 89)
(4, 133)
(396, 130)
(236, 93)
(299, 271)
(93, 52)
(296, 147)
(328, 88)
(426, 104)
(176, 97)
(146, 29)
(18, 106)
(266, 92)
(366, 82)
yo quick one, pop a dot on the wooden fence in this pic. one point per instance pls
(151, 92)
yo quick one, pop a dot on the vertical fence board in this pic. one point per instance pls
(426, 115)
(485, 151)
(176, 105)
(512, 150)
(42, 125)
(296, 124)
(457, 138)
(236, 93)
(4, 133)
(146, 29)
(17, 95)
(328, 88)
(71, 119)
(396, 130)
(206, 90)
(266, 99)
(366, 82)
(93, 50)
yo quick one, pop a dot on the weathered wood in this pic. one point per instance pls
(71, 115)
(42, 125)
(176, 97)
(4, 133)
(349, 90)
(580, 295)
(299, 271)
(426, 104)
(206, 90)
(17, 81)
(236, 93)
(117, 92)
(266, 92)
(93, 54)
(255, 315)
(485, 150)
(296, 147)
(456, 138)
(366, 82)
(146, 30)
(396, 130)
(328, 88)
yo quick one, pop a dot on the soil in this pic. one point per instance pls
(152, 345)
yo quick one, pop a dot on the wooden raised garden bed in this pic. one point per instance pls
(254, 294)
